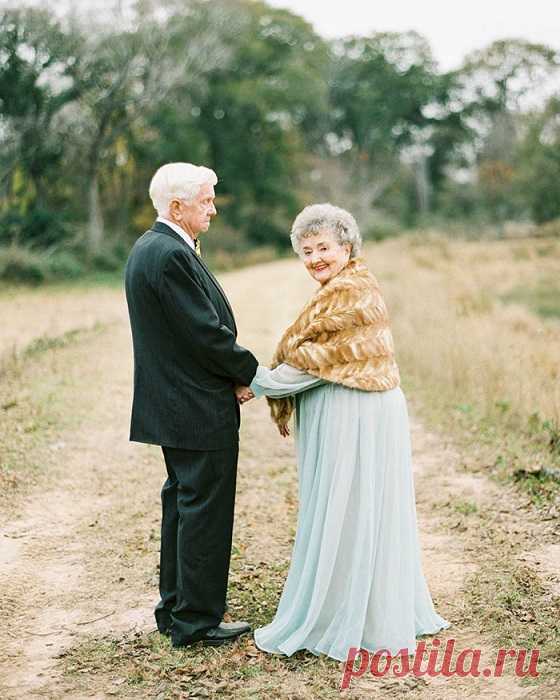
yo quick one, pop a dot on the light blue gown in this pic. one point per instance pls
(355, 578)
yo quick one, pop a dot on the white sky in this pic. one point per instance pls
(452, 28)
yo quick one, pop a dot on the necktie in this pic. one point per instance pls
(197, 247)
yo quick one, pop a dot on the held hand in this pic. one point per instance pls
(243, 394)
(283, 430)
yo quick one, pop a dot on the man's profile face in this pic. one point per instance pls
(194, 217)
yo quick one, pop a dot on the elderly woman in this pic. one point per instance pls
(355, 578)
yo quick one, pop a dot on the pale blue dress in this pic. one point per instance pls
(355, 578)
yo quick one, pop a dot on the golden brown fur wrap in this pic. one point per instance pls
(342, 335)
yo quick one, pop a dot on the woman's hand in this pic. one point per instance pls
(243, 394)
(283, 430)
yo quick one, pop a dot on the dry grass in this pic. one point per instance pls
(27, 314)
(455, 332)
(470, 344)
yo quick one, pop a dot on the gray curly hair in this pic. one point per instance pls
(320, 217)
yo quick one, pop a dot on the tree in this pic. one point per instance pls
(257, 116)
(38, 79)
(116, 78)
(380, 88)
(501, 76)
(538, 163)
(140, 76)
(486, 98)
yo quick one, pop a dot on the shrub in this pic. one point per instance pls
(110, 259)
(21, 265)
(63, 265)
(36, 227)
(550, 229)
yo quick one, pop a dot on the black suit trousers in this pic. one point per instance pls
(197, 522)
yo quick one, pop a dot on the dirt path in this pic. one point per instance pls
(26, 315)
(78, 559)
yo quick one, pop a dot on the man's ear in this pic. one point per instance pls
(174, 209)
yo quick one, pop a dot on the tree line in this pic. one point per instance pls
(92, 103)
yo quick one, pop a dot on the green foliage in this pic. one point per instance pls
(378, 89)
(38, 226)
(539, 164)
(21, 265)
(110, 258)
(504, 72)
(37, 80)
(482, 133)
(465, 507)
(542, 298)
(27, 266)
(380, 230)
(550, 229)
(45, 343)
(90, 108)
(258, 110)
(64, 265)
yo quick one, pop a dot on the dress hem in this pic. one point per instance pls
(317, 652)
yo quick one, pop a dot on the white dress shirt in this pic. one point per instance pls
(184, 235)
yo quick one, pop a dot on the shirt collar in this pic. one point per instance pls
(185, 236)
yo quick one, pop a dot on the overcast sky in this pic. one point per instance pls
(452, 28)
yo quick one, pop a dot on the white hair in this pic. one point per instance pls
(178, 181)
(320, 217)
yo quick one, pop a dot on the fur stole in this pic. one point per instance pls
(342, 335)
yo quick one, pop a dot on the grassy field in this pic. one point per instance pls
(477, 334)
(477, 327)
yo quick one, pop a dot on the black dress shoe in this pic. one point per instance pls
(222, 634)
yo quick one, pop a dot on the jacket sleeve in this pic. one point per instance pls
(195, 321)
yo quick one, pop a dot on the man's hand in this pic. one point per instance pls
(243, 394)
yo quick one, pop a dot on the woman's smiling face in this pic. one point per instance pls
(323, 256)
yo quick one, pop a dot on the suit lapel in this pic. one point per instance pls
(160, 227)
(201, 262)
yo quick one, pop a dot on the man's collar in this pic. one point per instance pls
(185, 236)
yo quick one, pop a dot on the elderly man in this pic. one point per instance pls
(189, 377)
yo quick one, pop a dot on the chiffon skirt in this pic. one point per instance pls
(355, 578)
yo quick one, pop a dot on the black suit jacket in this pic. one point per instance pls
(186, 358)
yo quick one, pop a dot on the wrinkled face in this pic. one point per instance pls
(194, 217)
(323, 256)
